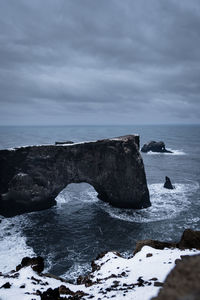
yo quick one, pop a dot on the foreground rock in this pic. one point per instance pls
(112, 276)
(190, 239)
(168, 184)
(155, 147)
(32, 177)
(183, 283)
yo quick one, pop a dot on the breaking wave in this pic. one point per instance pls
(174, 152)
(13, 245)
(166, 204)
(77, 192)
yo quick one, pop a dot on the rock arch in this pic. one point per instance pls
(31, 177)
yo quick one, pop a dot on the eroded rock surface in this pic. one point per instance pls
(32, 177)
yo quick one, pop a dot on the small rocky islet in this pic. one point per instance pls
(154, 146)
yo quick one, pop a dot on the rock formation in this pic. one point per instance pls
(64, 143)
(31, 177)
(182, 283)
(155, 147)
(168, 184)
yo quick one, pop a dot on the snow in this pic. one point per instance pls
(115, 276)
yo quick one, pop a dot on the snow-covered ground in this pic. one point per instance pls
(139, 277)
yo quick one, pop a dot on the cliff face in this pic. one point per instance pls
(31, 177)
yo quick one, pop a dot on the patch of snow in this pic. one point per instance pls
(123, 278)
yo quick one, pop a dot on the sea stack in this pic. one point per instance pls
(32, 177)
(168, 184)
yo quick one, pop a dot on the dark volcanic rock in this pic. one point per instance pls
(64, 143)
(50, 294)
(183, 281)
(190, 239)
(154, 244)
(7, 285)
(36, 263)
(155, 147)
(31, 177)
(168, 184)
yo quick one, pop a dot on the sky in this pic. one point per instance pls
(99, 62)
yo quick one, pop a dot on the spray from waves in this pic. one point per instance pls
(166, 204)
(77, 192)
(12, 243)
(76, 270)
(174, 152)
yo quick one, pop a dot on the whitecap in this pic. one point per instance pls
(174, 152)
(76, 270)
(13, 245)
(77, 192)
(166, 204)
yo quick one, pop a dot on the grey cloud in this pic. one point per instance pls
(99, 61)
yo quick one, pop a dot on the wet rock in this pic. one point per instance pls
(168, 184)
(155, 147)
(36, 263)
(32, 177)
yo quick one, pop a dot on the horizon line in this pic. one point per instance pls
(97, 125)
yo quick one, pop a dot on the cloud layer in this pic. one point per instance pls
(99, 62)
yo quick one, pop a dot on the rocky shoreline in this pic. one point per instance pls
(141, 276)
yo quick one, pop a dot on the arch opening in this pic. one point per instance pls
(82, 191)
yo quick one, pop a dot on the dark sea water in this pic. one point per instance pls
(72, 233)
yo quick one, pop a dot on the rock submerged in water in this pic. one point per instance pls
(31, 177)
(155, 147)
(168, 184)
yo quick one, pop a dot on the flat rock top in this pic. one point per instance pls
(124, 138)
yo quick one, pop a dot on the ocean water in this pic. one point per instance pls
(81, 226)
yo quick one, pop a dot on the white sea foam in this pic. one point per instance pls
(77, 192)
(76, 270)
(166, 204)
(12, 244)
(174, 152)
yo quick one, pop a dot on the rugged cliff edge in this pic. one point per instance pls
(112, 276)
(31, 177)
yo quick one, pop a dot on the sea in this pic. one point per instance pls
(72, 233)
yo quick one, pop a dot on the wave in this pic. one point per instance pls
(13, 245)
(174, 152)
(77, 192)
(76, 270)
(166, 204)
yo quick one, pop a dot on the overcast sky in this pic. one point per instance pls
(99, 61)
